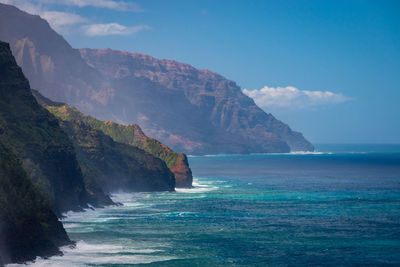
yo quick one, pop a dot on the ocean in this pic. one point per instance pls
(339, 206)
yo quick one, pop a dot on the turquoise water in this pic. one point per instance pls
(336, 207)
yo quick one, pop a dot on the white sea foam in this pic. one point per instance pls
(264, 154)
(113, 252)
(288, 154)
(294, 153)
(85, 253)
(131, 204)
(71, 225)
(198, 188)
(213, 155)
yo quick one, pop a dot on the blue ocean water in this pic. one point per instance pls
(339, 206)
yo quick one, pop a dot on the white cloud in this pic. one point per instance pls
(112, 29)
(110, 4)
(58, 20)
(61, 21)
(291, 97)
(24, 5)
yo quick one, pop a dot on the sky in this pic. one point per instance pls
(330, 69)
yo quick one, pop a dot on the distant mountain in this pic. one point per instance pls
(190, 110)
(28, 227)
(126, 134)
(198, 111)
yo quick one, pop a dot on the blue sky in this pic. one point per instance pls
(330, 69)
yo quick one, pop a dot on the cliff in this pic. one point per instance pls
(115, 166)
(28, 227)
(41, 163)
(34, 135)
(125, 134)
(190, 110)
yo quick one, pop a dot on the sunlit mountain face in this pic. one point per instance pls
(190, 110)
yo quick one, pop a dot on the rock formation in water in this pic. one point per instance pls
(190, 110)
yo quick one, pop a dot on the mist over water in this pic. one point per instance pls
(336, 208)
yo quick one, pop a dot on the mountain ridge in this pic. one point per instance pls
(204, 87)
(190, 110)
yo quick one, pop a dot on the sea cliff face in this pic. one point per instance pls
(34, 135)
(190, 110)
(131, 135)
(28, 227)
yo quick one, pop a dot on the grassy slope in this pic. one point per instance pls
(126, 134)
(101, 157)
(115, 166)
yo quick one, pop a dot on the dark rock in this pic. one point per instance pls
(28, 227)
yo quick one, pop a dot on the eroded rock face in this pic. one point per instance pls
(177, 162)
(190, 110)
(182, 172)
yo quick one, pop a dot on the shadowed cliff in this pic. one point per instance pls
(35, 136)
(28, 227)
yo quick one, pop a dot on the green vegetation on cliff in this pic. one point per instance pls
(114, 166)
(106, 163)
(125, 134)
(28, 227)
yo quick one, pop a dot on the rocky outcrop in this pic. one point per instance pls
(183, 174)
(28, 227)
(130, 135)
(190, 110)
